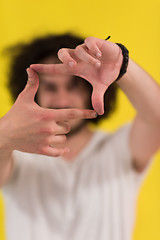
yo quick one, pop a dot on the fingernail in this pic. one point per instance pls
(71, 64)
(29, 73)
(98, 54)
(94, 114)
(98, 64)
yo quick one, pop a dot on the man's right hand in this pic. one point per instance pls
(29, 128)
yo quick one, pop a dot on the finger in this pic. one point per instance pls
(58, 139)
(97, 98)
(62, 128)
(54, 152)
(51, 128)
(32, 85)
(66, 56)
(82, 53)
(68, 114)
(94, 44)
(59, 69)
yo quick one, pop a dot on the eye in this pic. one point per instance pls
(72, 86)
(75, 83)
(49, 87)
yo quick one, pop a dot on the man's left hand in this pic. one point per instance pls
(96, 60)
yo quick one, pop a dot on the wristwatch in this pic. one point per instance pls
(125, 54)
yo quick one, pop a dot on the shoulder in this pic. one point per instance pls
(28, 166)
(117, 138)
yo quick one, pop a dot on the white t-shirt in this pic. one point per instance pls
(90, 198)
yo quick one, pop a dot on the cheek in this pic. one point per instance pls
(78, 99)
(83, 99)
(43, 98)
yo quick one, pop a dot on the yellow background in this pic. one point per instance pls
(133, 23)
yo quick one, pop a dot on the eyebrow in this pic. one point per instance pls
(71, 81)
(46, 81)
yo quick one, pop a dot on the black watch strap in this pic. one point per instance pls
(125, 54)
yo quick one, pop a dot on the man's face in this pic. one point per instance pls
(61, 91)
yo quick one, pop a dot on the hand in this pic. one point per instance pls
(29, 128)
(98, 61)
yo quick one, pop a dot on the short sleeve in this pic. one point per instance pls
(120, 142)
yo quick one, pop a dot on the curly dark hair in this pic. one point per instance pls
(23, 55)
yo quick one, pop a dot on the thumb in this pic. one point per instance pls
(32, 84)
(97, 98)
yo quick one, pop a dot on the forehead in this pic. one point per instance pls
(50, 60)
(59, 80)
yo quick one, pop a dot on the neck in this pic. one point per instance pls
(77, 142)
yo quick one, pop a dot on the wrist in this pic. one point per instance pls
(5, 155)
(5, 148)
(125, 60)
(5, 152)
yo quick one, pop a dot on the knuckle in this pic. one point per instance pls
(42, 117)
(56, 154)
(46, 141)
(62, 139)
(78, 49)
(61, 52)
(21, 96)
(46, 130)
(42, 150)
(88, 39)
(45, 117)
(93, 61)
(72, 115)
(67, 128)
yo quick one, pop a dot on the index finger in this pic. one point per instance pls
(93, 44)
(68, 114)
(61, 69)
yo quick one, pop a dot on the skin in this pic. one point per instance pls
(30, 128)
(99, 62)
(64, 91)
(81, 61)
(45, 125)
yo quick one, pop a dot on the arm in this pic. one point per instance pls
(6, 165)
(144, 94)
(29, 128)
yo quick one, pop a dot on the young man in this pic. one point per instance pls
(89, 192)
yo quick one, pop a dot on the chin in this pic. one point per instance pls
(77, 127)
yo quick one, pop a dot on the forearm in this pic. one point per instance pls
(143, 92)
(6, 159)
(6, 165)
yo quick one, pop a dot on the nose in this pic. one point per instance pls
(63, 99)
